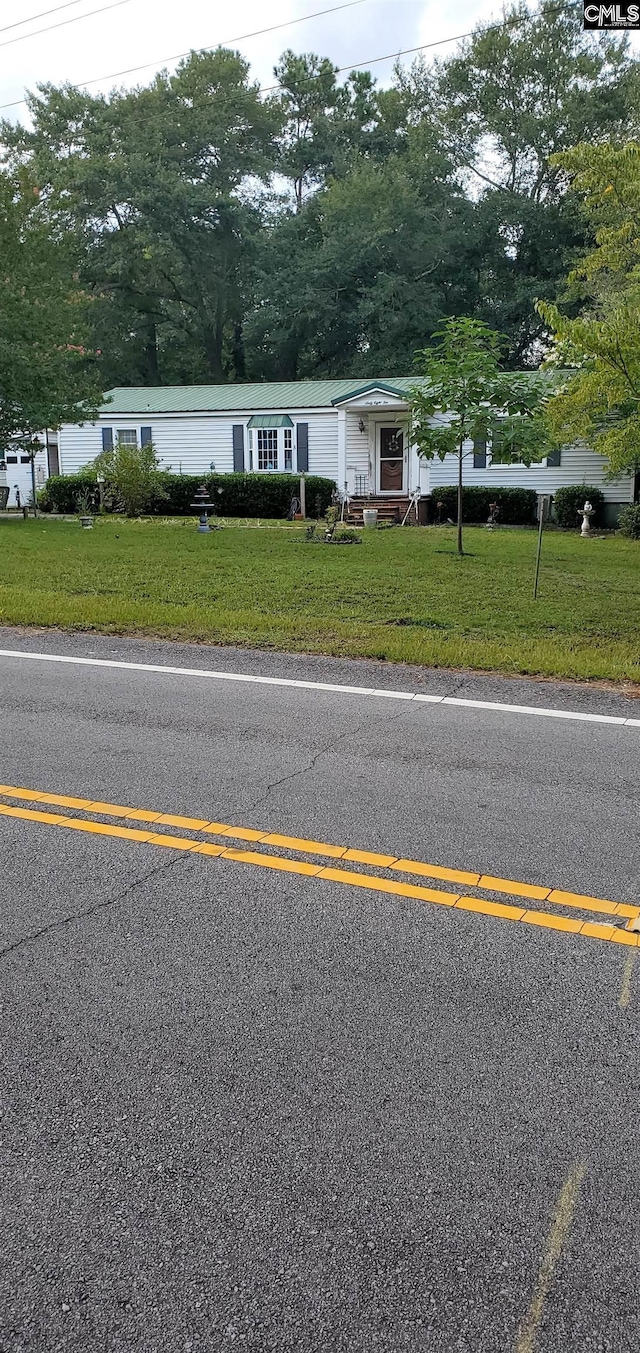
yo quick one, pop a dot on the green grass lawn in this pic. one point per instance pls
(401, 595)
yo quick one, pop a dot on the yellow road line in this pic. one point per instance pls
(560, 1228)
(467, 878)
(625, 993)
(372, 882)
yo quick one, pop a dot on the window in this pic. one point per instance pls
(288, 448)
(25, 460)
(127, 436)
(267, 448)
(12, 460)
(499, 457)
(501, 454)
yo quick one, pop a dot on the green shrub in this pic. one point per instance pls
(629, 521)
(569, 501)
(518, 507)
(61, 492)
(234, 495)
(132, 476)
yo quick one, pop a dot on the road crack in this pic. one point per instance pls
(323, 751)
(88, 912)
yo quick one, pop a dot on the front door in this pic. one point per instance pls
(391, 460)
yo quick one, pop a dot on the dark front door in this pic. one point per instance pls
(391, 460)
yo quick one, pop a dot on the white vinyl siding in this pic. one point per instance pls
(578, 465)
(192, 443)
(358, 452)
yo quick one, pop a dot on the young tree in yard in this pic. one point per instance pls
(467, 399)
(48, 375)
(600, 402)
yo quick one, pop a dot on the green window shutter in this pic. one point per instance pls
(145, 436)
(107, 439)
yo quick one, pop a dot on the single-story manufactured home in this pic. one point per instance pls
(352, 431)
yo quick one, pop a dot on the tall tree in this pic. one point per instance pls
(600, 402)
(48, 374)
(359, 279)
(153, 185)
(325, 125)
(512, 97)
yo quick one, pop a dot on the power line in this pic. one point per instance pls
(441, 42)
(391, 56)
(177, 56)
(63, 23)
(43, 13)
(358, 65)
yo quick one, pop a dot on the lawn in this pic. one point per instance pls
(402, 595)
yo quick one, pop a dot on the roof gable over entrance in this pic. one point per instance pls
(373, 393)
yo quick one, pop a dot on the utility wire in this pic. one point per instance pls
(43, 13)
(441, 42)
(177, 56)
(358, 65)
(63, 23)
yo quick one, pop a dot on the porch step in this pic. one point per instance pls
(389, 510)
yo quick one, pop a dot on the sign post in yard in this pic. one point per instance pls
(544, 503)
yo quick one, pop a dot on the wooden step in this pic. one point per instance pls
(389, 510)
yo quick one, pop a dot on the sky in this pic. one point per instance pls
(132, 32)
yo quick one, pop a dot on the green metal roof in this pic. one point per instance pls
(270, 420)
(279, 396)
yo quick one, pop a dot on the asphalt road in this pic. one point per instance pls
(256, 1109)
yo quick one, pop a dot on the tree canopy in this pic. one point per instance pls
(330, 226)
(600, 401)
(48, 370)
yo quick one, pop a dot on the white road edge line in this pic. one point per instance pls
(543, 711)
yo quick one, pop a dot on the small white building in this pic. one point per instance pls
(15, 470)
(351, 431)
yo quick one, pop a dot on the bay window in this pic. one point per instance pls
(271, 434)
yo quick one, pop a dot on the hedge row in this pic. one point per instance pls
(518, 507)
(234, 495)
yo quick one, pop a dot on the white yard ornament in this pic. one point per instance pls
(414, 499)
(587, 513)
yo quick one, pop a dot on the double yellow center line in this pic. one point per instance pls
(607, 931)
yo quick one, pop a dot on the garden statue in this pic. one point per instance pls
(492, 519)
(587, 513)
